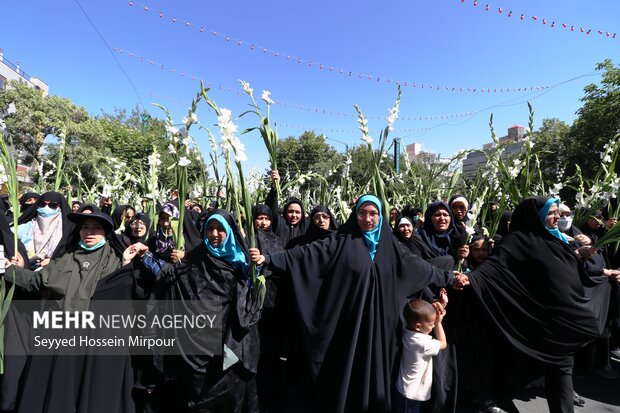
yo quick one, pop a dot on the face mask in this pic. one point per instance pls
(47, 212)
(94, 247)
(564, 223)
(416, 219)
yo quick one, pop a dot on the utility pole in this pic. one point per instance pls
(397, 155)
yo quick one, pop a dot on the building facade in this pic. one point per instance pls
(11, 71)
(477, 159)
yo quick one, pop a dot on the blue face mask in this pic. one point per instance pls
(47, 212)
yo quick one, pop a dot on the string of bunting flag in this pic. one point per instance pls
(281, 103)
(551, 23)
(311, 64)
(409, 130)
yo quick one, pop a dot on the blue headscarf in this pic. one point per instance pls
(229, 251)
(542, 214)
(371, 238)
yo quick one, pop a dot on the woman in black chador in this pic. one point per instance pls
(539, 296)
(321, 223)
(348, 290)
(93, 269)
(214, 373)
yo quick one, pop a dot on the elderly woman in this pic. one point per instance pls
(90, 270)
(440, 235)
(539, 296)
(349, 289)
(137, 229)
(321, 224)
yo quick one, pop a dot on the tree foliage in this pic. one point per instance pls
(38, 116)
(598, 121)
(307, 153)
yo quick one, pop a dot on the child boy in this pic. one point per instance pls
(416, 365)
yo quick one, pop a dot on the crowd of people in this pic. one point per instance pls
(415, 312)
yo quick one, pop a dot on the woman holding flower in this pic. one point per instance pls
(216, 373)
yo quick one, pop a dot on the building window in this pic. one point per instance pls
(2, 83)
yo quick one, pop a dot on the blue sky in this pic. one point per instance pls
(440, 42)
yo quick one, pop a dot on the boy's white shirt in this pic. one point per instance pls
(415, 377)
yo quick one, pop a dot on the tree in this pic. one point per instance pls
(307, 153)
(39, 116)
(551, 146)
(597, 123)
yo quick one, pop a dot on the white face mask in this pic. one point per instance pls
(564, 223)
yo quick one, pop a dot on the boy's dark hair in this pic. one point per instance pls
(416, 311)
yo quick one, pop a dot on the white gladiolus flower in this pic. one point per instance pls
(171, 149)
(107, 191)
(392, 117)
(183, 161)
(349, 161)
(224, 122)
(246, 87)
(185, 141)
(154, 160)
(265, 97)
(189, 120)
(238, 148)
(607, 159)
(2, 124)
(171, 130)
(556, 188)
(367, 139)
(11, 109)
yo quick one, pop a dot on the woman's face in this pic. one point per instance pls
(441, 220)
(393, 214)
(552, 217)
(216, 234)
(75, 207)
(262, 222)
(128, 214)
(479, 251)
(459, 210)
(91, 232)
(164, 222)
(368, 216)
(406, 230)
(293, 213)
(138, 228)
(321, 220)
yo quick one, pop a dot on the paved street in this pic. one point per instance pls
(601, 395)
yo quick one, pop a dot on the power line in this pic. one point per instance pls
(112, 53)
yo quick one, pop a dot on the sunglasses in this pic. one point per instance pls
(51, 204)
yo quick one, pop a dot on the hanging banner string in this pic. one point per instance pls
(352, 131)
(323, 130)
(239, 91)
(330, 68)
(551, 23)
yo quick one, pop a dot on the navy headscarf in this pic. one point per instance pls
(440, 243)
